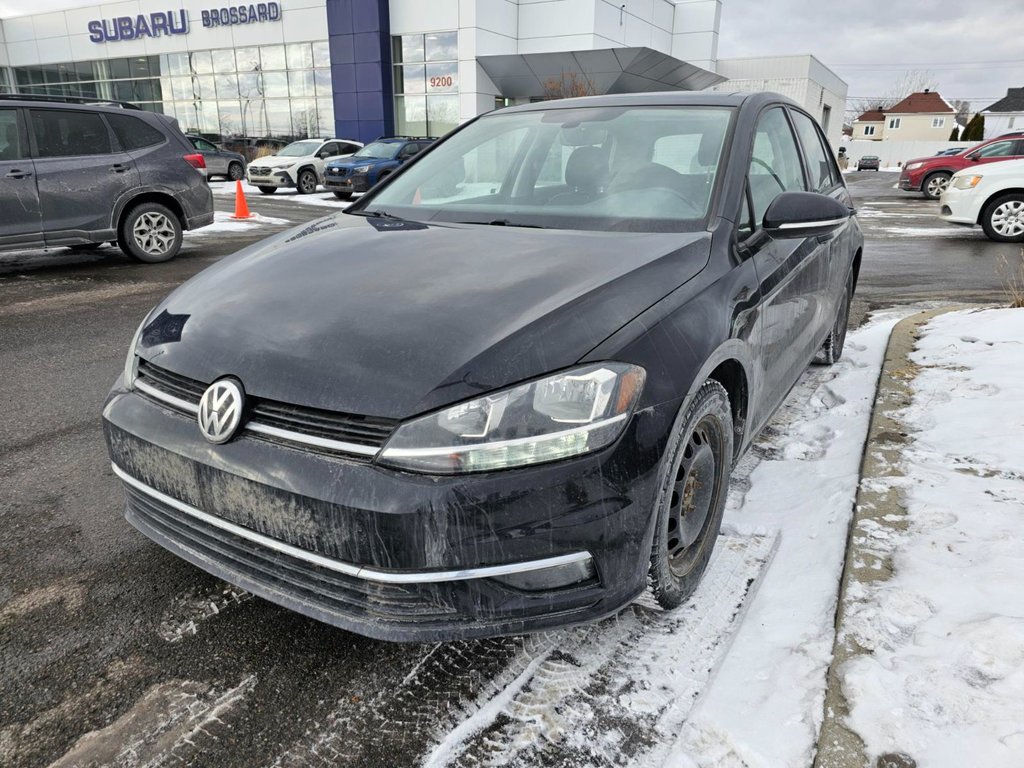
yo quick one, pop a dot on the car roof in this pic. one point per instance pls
(660, 99)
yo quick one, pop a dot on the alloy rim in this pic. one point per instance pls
(937, 185)
(1008, 218)
(154, 233)
(307, 183)
(235, 172)
(693, 494)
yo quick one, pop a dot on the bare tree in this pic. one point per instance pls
(963, 111)
(912, 81)
(568, 85)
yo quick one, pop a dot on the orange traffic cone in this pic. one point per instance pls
(241, 207)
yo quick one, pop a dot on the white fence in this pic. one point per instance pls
(893, 153)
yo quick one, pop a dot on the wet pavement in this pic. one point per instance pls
(113, 651)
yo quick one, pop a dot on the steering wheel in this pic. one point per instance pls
(770, 170)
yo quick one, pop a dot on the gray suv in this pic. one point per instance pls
(80, 175)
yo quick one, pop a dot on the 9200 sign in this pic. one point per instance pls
(446, 81)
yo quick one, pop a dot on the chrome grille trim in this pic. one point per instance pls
(349, 569)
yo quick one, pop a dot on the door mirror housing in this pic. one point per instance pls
(804, 214)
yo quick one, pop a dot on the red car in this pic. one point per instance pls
(931, 175)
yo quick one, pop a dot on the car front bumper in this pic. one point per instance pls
(395, 555)
(960, 206)
(358, 183)
(272, 179)
(909, 183)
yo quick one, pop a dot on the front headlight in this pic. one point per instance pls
(361, 169)
(913, 166)
(563, 415)
(131, 363)
(966, 182)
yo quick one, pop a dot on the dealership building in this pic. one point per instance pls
(364, 68)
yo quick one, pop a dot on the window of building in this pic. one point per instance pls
(869, 130)
(426, 83)
(938, 122)
(894, 123)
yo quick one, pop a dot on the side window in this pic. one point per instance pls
(999, 149)
(11, 143)
(349, 149)
(1020, 147)
(332, 148)
(204, 145)
(133, 133)
(775, 165)
(63, 133)
(817, 157)
(409, 150)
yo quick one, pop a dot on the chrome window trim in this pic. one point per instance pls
(357, 571)
(157, 394)
(809, 224)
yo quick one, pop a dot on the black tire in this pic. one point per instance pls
(343, 195)
(935, 184)
(235, 171)
(267, 190)
(306, 183)
(832, 349)
(688, 513)
(151, 233)
(1003, 218)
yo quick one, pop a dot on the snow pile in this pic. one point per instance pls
(944, 677)
(321, 197)
(224, 222)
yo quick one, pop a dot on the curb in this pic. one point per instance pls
(878, 505)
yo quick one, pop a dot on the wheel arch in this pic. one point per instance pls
(996, 195)
(163, 198)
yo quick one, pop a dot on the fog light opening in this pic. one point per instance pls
(556, 577)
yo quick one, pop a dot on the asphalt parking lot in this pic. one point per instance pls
(113, 651)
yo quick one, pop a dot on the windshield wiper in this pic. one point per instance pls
(502, 223)
(378, 214)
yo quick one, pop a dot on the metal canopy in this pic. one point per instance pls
(608, 70)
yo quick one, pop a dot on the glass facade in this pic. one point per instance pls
(426, 79)
(279, 91)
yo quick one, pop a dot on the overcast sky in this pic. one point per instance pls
(973, 48)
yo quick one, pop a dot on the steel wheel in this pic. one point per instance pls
(1003, 218)
(691, 500)
(154, 234)
(936, 185)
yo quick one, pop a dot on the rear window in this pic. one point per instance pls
(65, 133)
(133, 133)
(10, 136)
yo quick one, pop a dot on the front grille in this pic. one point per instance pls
(326, 589)
(338, 171)
(258, 170)
(296, 420)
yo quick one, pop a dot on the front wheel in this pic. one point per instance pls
(306, 183)
(691, 501)
(267, 190)
(236, 172)
(150, 233)
(1003, 219)
(936, 184)
(832, 349)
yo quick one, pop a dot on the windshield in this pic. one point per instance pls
(640, 169)
(300, 149)
(379, 149)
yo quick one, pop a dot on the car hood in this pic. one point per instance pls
(278, 162)
(390, 318)
(351, 162)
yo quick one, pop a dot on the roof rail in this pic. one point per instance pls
(91, 102)
(406, 138)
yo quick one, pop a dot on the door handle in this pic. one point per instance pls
(16, 173)
(118, 168)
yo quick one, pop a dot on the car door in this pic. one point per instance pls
(19, 198)
(216, 162)
(823, 176)
(79, 175)
(791, 272)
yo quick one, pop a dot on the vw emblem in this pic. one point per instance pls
(220, 410)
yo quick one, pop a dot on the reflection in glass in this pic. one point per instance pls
(442, 114)
(275, 84)
(224, 61)
(300, 56)
(411, 115)
(227, 86)
(442, 46)
(300, 84)
(322, 80)
(272, 57)
(248, 59)
(279, 118)
(321, 54)
(411, 79)
(412, 48)
(202, 63)
(443, 78)
(177, 64)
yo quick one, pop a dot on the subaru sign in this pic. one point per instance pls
(175, 22)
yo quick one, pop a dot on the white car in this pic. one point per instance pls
(991, 195)
(299, 166)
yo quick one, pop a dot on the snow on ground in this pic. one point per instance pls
(951, 231)
(764, 707)
(223, 222)
(321, 197)
(944, 680)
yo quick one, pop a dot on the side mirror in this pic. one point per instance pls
(974, 158)
(804, 214)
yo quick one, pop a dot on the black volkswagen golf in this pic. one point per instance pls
(505, 390)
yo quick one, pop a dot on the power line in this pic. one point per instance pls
(929, 65)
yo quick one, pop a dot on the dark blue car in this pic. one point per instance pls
(370, 164)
